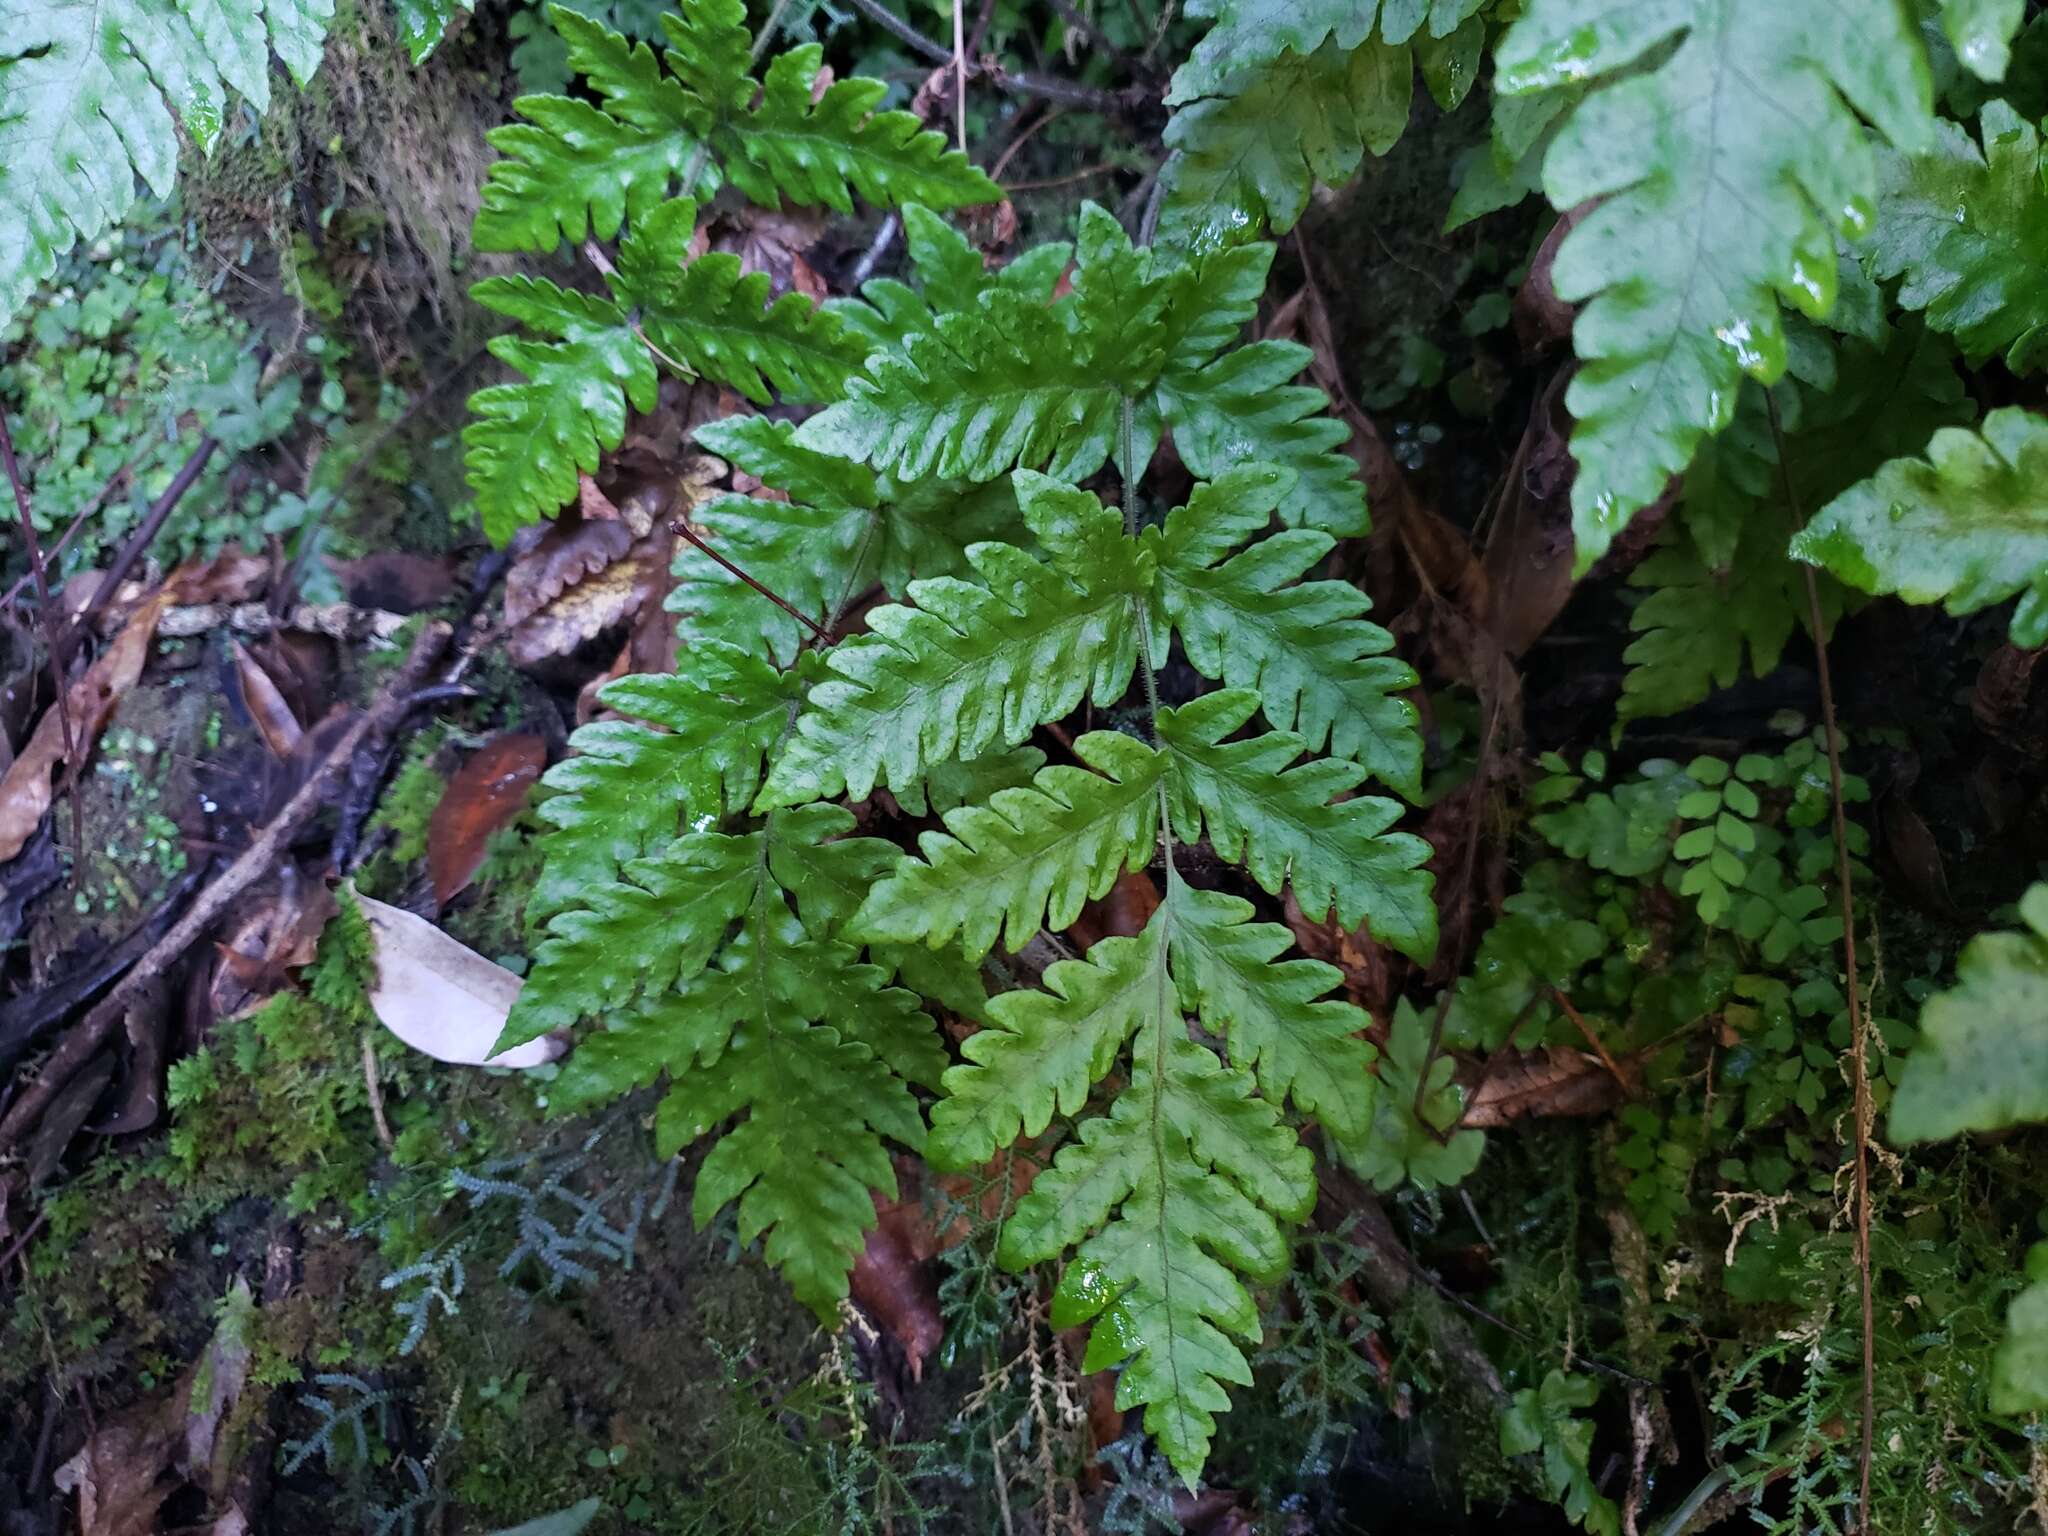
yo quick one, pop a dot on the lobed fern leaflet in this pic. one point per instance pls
(1723, 146)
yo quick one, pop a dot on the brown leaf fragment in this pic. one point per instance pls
(27, 789)
(134, 1463)
(1543, 320)
(275, 722)
(893, 1283)
(268, 938)
(485, 794)
(1551, 1082)
(551, 560)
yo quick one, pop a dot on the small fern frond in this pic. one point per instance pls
(1246, 618)
(531, 439)
(632, 787)
(574, 168)
(1028, 858)
(1276, 1016)
(1966, 526)
(1278, 820)
(972, 665)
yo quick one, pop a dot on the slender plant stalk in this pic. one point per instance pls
(1858, 1044)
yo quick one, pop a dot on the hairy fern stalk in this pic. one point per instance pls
(720, 915)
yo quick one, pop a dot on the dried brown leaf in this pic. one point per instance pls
(1547, 1083)
(551, 560)
(27, 788)
(229, 577)
(275, 722)
(485, 794)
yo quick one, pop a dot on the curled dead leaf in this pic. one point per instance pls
(275, 722)
(442, 997)
(485, 794)
(28, 788)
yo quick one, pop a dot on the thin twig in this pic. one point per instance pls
(99, 499)
(256, 861)
(375, 1089)
(21, 1242)
(53, 637)
(1060, 181)
(1081, 24)
(902, 31)
(960, 72)
(682, 530)
(1599, 1047)
(1858, 1044)
(146, 531)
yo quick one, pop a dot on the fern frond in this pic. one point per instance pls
(1248, 619)
(1275, 1015)
(632, 787)
(87, 94)
(1242, 407)
(718, 320)
(1278, 97)
(574, 168)
(1170, 1201)
(662, 919)
(1279, 822)
(972, 665)
(1723, 589)
(1965, 228)
(530, 439)
(1966, 526)
(1028, 858)
(1724, 169)
(843, 529)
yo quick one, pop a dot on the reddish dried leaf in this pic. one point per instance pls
(894, 1285)
(1543, 1084)
(1123, 913)
(485, 794)
(275, 722)
(269, 937)
(27, 789)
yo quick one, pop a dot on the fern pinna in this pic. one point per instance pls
(719, 911)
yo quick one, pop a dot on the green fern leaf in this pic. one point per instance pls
(1278, 820)
(717, 320)
(529, 440)
(661, 920)
(1012, 381)
(1027, 859)
(1981, 32)
(1044, 1050)
(87, 95)
(1275, 1015)
(1727, 167)
(843, 530)
(948, 786)
(751, 1038)
(1414, 1136)
(1241, 407)
(574, 168)
(1724, 589)
(633, 787)
(1248, 619)
(1965, 228)
(1967, 526)
(1278, 97)
(1982, 1060)
(2019, 1371)
(974, 665)
(1167, 1201)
